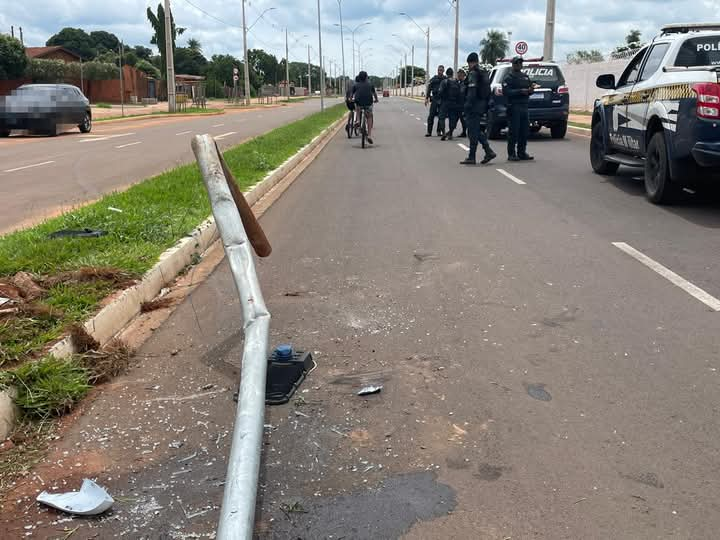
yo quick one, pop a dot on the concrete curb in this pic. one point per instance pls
(126, 306)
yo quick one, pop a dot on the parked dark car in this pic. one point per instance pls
(549, 105)
(44, 108)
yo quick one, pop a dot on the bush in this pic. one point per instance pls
(47, 387)
(13, 60)
(149, 69)
(103, 106)
(46, 71)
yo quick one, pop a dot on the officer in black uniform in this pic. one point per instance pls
(432, 96)
(476, 105)
(450, 104)
(462, 79)
(517, 88)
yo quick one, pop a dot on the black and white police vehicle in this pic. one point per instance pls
(663, 113)
(548, 106)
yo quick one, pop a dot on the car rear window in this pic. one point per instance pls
(545, 75)
(699, 51)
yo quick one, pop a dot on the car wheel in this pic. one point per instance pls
(86, 125)
(51, 130)
(597, 152)
(659, 186)
(558, 131)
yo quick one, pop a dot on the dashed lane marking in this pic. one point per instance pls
(29, 166)
(219, 137)
(679, 281)
(511, 177)
(184, 132)
(129, 144)
(466, 148)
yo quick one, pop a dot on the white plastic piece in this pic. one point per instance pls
(91, 500)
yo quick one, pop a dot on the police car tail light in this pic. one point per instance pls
(708, 100)
(563, 90)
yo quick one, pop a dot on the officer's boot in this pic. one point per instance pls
(449, 136)
(470, 160)
(489, 154)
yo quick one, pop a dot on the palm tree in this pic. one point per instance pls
(493, 46)
(158, 24)
(194, 45)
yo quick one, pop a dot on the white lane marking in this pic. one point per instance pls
(466, 148)
(225, 135)
(425, 124)
(184, 132)
(129, 144)
(511, 177)
(671, 276)
(29, 166)
(106, 137)
(218, 125)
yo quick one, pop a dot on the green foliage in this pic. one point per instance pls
(13, 60)
(76, 40)
(47, 387)
(92, 71)
(157, 21)
(142, 53)
(493, 46)
(194, 45)
(46, 71)
(633, 37)
(189, 61)
(130, 59)
(264, 68)
(104, 41)
(585, 57)
(148, 68)
(220, 70)
(103, 106)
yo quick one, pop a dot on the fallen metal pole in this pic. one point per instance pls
(237, 515)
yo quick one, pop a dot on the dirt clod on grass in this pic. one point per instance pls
(89, 273)
(103, 365)
(28, 287)
(83, 341)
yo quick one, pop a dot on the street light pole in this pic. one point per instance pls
(309, 74)
(322, 75)
(246, 67)
(457, 30)
(549, 31)
(169, 58)
(412, 72)
(287, 65)
(427, 46)
(342, 41)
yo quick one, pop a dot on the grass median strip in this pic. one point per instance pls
(71, 276)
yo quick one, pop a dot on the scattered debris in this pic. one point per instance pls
(91, 500)
(537, 391)
(113, 209)
(87, 274)
(158, 303)
(28, 287)
(82, 233)
(82, 340)
(106, 363)
(368, 390)
(176, 444)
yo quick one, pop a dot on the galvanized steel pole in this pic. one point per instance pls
(169, 58)
(322, 74)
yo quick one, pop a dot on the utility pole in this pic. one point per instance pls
(22, 41)
(322, 74)
(342, 43)
(412, 72)
(246, 69)
(122, 81)
(309, 74)
(169, 58)
(12, 32)
(457, 30)
(427, 58)
(549, 31)
(287, 64)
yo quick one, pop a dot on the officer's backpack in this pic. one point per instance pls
(453, 91)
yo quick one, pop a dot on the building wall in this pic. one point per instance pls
(60, 55)
(6, 87)
(580, 79)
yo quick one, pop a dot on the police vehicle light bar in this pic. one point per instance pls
(508, 60)
(684, 28)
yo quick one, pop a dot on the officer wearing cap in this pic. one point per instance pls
(476, 105)
(517, 88)
(432, 96)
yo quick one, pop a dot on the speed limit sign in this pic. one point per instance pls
(235, 78)
(521, 47)
(235, 71)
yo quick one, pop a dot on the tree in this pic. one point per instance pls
(146, 67)
(264, 66)
(130, 58)
(493, 46)
(219, 72)
(633, 39)
(157, 21)
(76, 40)
(104, 41)
(194, 45)
(143, 53)
(585, 57)
(418, 72)
(46, 71)
(13, 60)
(189, 61)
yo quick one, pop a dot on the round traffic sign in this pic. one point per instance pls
(521, 47)
(235, 78)
(235, 71)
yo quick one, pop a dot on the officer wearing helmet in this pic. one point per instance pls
(517, 88)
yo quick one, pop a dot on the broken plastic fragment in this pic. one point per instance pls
(370, 390)
(91, 500)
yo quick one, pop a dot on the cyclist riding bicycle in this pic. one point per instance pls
(364, 95)
(350, 104)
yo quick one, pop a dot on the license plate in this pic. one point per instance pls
(539, 95)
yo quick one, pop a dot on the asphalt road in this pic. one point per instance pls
(538, 380)
(41, 176)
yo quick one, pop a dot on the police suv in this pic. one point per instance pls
(548, 105)
(663, 113)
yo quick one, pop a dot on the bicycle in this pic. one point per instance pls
(363, 126)
(350, 125)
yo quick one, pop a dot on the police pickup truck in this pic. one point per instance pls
(548, 105)
(663, 113)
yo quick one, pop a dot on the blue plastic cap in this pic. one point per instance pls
(284, 351)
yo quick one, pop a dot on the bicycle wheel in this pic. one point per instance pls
(363, 130)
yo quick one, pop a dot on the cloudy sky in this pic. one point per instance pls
(217, 24)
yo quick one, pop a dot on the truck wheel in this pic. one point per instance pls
(86, 125)
(558, 131)
(597, 153)
(659, 187)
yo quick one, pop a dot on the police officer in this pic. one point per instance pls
(450, 104)
(463, 92)
(476, 105)
(432, 96)
(517, 88)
